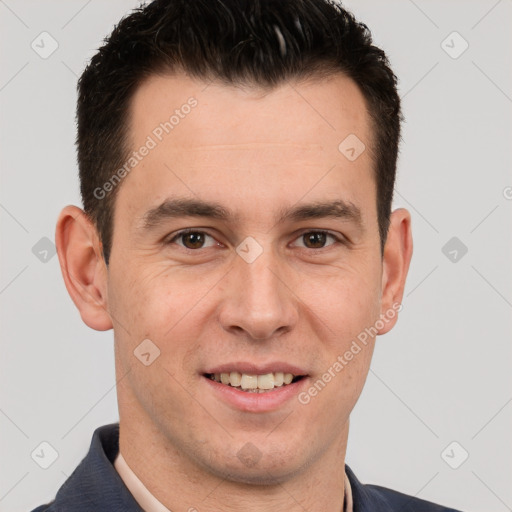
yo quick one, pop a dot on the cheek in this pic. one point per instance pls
(145, 296)
(345, 308)
(138, 311)
(158, 303)
(344, 301)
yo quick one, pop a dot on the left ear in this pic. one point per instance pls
(395, 265)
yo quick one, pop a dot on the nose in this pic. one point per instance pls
(258, 301)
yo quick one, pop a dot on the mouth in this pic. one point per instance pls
(252, 387)
(255, 383)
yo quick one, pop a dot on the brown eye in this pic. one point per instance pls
(192, 239)
(314, 240)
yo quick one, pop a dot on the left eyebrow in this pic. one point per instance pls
(186, 207)
(339, 209)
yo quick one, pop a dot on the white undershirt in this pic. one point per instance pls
(149, 503)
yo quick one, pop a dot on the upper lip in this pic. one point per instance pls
(256, 369)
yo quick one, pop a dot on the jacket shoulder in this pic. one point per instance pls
(375, 498)
(405, 502)
(95, 484)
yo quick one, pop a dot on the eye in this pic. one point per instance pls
(317, 239)
(192, 239)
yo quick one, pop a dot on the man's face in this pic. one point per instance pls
(256, 292)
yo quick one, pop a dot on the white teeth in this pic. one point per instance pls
(278, 379)
(249, 381)
(266, 381)
(253, 383)
(235, 378)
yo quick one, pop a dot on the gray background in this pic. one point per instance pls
(441, 375)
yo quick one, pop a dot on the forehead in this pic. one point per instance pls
(217, 141)
(324, 107)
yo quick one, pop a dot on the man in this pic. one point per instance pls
(237, 162)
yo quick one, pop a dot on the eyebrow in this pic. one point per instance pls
(185, 207)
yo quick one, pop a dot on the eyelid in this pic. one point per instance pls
(174, 236)
(336, 236)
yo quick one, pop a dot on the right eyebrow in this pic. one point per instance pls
(184, 207)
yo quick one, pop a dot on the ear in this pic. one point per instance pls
(396, 259)
(83, 267)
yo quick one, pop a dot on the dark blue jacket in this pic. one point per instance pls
(95, 486)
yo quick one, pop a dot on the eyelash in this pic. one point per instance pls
(183, 232)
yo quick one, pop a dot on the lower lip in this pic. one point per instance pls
(257, 402)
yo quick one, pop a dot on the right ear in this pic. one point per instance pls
(83, 267)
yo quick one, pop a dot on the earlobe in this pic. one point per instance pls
(83, 267)
(396, 260)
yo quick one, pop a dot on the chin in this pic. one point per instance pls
(251, 467)
(259, 478)
(262, 476)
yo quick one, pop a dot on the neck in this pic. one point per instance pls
(181, 484)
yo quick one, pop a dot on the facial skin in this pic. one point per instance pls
(301, 301)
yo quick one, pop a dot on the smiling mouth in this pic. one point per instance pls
(252, 383)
